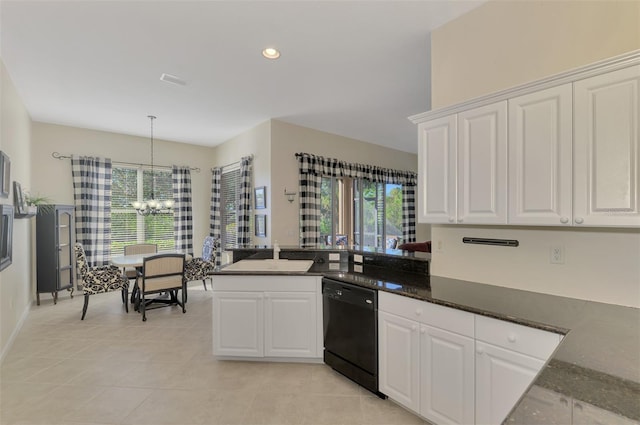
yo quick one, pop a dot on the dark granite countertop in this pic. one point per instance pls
(598, 361)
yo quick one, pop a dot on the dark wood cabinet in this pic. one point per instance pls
(55, 236)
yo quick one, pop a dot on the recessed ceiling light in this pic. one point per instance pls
(271, 53)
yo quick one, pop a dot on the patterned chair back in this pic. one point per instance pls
(81, 260)
(208, 248)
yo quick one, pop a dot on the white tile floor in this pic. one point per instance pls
(112, 368)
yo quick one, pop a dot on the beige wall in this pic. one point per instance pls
(52, 177)
(256, 142)
(287, 139)
(506, 43)
(15, 280)
(502, 44)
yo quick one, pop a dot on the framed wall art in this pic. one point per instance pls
(261, 225)
(5, 175)
(261, 197)
(18, 198)
(6, 235)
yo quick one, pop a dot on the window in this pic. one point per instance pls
(127, 226)
(360, 212)
(229, 200)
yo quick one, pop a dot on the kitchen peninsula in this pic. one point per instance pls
(593, 375)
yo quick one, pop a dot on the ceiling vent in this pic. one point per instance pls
(168, 78)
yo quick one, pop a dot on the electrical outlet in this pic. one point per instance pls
(557, 254)
(439, 246)
(334, 256)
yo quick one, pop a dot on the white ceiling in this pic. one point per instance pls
(353, 68)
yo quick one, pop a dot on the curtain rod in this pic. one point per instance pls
(231, 163)
(56, 155)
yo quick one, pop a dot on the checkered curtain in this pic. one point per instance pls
(244, 204)
(331, 167)
(92, 198)
(309, 196)
(215, 217)
(408, 213)
(182, 210)
(312, 168)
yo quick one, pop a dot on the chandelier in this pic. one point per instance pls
(153, 206)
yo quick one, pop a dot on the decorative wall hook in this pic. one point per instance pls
(290, 195)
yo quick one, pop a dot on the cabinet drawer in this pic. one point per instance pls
(447, 318)
(511, 336)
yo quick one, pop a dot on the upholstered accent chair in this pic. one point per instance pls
(200, 268)
(99, 279)
(162, 273)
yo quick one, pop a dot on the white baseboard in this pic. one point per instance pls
(15, 332)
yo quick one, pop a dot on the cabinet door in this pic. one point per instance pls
(237, 324)
(502, 376)
(482, 165)
(607, 150)
(437, 152)
(399, 357)
(290, 324)
(446, 376)
(65, 236)
(540, 161)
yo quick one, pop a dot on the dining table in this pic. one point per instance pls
(137, 261)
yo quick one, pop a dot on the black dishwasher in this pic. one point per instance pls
(350, 318)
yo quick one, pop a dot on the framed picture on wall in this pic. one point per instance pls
(261, 197)
(19, 200)
(5, 175)
(261, 225)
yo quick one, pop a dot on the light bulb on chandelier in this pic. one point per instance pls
(153, 206)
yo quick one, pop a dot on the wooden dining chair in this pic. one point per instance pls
(162, 273)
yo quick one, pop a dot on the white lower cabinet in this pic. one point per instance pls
(237, 324)
(267, 316)
(399, 359)
(446, 376)
(454, 367)
(425, 368)
(290, 324)
(508, 358)
(502, 376)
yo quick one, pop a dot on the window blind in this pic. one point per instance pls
(229, 200)
(127, 226)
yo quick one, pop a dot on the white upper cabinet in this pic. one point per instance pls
(482, 165)
(437, 153)
(463, 167)
(606, 149)
(562, 151)
(540, 162)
